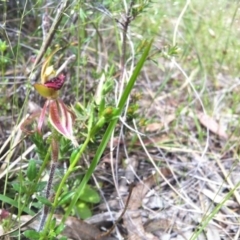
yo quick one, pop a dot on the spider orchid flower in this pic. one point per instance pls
(59, 115)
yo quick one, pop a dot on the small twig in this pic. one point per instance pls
(15, 132)
(125, 26)
(46, 208)
(132, 185)
(49, 37)
(64, 65)
(21, 226)
(45, 24)
(19, 159)
(127, 20)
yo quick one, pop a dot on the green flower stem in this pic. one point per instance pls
(109, 131)
(43, 167)
(60, 187)
(45, 162)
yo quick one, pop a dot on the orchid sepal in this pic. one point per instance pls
(61, 118)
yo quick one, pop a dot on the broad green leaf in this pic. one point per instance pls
(41, 186)
(65, 198)
(90, 195)
(36, 205)
(53, 224)
(73, 155)
(18, 187)
(14, 203)
(3, 46)
(63, 238)
(83, 210)
(101, 106)
(32, 234)
(44, 200)
(59, 228)
(32, 170)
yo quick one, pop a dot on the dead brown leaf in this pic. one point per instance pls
(78, 229)
(212, 125)
(74, 228)
(157, 126)
(153, 127)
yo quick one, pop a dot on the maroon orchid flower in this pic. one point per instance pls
(59, 115)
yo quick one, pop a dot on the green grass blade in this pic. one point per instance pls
(14, 203)
(110, 129)
(209, 217)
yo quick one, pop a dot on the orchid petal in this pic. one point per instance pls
(29, 121)
(42, 117)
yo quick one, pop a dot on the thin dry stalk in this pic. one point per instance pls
(46, 208)
(47, 41)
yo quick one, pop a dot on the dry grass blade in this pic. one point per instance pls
(19, 159)
(25, 221)
(13, 140)
(228, 179)
(212, 125)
